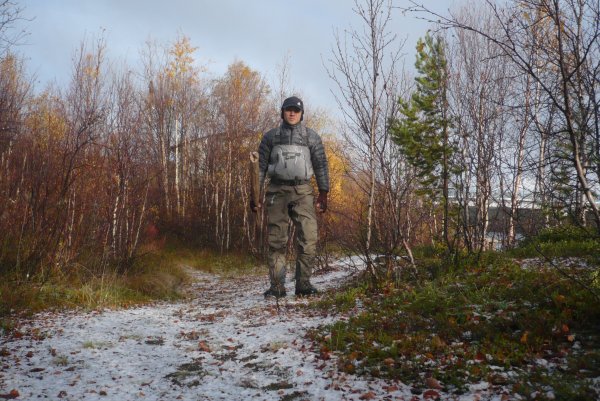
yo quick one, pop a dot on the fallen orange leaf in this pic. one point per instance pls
(392, 388)
(203, 346)
(10, 396)
(431, 395)
(325, 353)
(432, 382)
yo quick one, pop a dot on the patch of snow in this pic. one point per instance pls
(564, 262)
(225, 343)
(228, 343)
(542, 362)
(479, 386)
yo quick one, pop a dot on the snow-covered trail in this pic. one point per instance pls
(226, 343)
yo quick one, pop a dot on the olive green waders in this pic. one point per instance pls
(295, 203)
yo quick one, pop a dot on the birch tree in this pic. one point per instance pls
(364, 66)
(480, 84)
(15, 94)
(10, 12)
(242, 111)
(570, 55)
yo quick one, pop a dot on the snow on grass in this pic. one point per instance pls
(225, 343)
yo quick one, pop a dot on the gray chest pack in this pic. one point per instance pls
(290, 162)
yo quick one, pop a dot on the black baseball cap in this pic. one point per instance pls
(292, 102)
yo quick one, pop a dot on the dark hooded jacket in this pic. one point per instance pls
(292, 135)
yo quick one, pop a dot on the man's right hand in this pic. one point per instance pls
(253, 206)
(322, 201)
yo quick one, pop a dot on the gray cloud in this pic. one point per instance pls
(259, 33)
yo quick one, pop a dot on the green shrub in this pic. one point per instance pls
(564, 233)
(562, 241)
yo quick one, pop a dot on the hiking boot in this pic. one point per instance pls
(277, 291)
(306, 291)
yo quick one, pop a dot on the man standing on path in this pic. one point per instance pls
(289, 155)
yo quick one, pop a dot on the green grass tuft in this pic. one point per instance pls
(157, 275)
(227, 264)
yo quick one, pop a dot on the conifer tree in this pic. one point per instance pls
(422, 131)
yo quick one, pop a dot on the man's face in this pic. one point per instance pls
(292, 115)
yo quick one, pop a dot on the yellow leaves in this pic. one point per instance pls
(338, 167)
(247, 72)
(181, 65)
(10, 70)
(182, 50)
(524, 337)
(242, 83)
(91, 68)
(46, 124)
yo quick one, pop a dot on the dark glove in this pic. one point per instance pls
(322, 201)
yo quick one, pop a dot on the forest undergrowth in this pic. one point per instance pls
(528, 319)
(519, 320)
(157, 274)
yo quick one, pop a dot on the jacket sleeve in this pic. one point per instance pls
(318, 159)
(264, 154)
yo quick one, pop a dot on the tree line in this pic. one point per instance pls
(495, 136)
(97, 169)
(502, 108)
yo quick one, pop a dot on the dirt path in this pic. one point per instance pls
(227, 343)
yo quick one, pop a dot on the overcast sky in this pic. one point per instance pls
(259, 33)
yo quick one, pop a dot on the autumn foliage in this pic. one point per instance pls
(103, 170)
